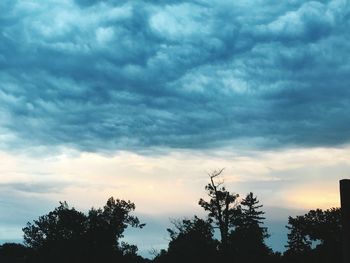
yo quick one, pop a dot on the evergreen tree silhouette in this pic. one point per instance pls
(247, 240)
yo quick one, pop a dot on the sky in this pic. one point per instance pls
(140, 100)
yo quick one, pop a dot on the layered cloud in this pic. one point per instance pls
(113, 75)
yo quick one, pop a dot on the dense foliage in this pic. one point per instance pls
(67, 235)
(190, 241)
(315, 237)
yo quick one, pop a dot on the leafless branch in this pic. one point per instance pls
(215, 173)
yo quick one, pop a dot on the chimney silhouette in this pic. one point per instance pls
(345, 214)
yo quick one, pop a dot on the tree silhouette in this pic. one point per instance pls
(222, 207)
(315, 236)
(190, 241)
(67, 235)
(251, 216)
(13, 253)
(298, 239)
(129, 254)
(247, 240)
(106, 226)
(57, 235)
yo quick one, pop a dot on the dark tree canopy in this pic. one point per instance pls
(67, 235)
(315, 236)
(13, 253)
(190, 241)
(62, 225)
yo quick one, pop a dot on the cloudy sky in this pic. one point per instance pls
(141, 99)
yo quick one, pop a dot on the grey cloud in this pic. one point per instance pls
(19, 209)
(85, 3)
(36, 188)
(135, 75)
(311, 21)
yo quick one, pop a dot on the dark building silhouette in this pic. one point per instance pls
(345, 214)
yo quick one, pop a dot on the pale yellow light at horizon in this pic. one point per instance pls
(173, 183)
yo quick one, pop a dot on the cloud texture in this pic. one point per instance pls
(112, 75)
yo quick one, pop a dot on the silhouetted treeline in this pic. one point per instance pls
(315, 237)
(239, 223)
(67, 235)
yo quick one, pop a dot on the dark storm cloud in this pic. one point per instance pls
(109, 75)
